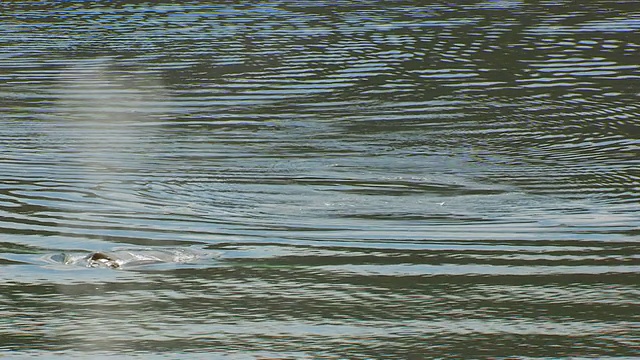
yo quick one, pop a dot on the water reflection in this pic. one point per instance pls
(367, 180)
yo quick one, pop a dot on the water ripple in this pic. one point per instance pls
(445, 180)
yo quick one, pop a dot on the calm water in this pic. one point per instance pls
(320, 179)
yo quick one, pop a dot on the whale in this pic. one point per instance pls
(122, 258)
(99, 259)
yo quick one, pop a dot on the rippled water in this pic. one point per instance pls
(320, 179)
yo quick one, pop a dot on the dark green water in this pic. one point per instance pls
(320, 179)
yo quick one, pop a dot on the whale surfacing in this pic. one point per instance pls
(99, 259)
(123, 258)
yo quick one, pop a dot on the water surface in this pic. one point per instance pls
(359, 180)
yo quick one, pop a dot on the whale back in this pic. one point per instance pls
(128, 258)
